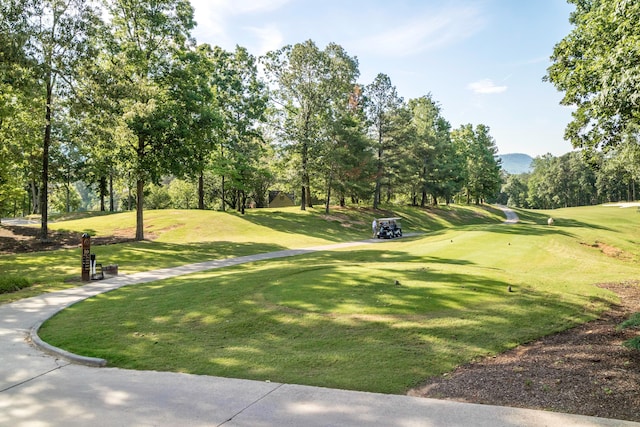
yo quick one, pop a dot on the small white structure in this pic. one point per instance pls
(550, 221)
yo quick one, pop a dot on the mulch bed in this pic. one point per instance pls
(584, 370)
(22, 239)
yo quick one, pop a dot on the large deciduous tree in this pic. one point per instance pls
(597, 66)
(54, 39)
(308, 82)
(157, 113)
(242, 101)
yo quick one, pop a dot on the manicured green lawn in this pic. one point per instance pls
(380, 317)
(181, 237)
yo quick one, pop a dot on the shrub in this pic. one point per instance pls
(632, 322)
(10, 284)
(633, 343)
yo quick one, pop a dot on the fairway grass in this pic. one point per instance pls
(178, 237)
(378, 317)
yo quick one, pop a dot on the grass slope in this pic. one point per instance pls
(378, 317)
(178, 237)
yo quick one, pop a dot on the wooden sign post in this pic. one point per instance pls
(86, 257)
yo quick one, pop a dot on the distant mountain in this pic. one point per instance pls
(516, 163)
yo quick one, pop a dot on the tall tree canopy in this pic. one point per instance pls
(50, 40)
(383, 104)
(308, 82)
(147, 59)
(597, 66)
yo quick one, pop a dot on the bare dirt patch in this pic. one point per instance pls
(611, 251)
(15, 239)
(585, 370)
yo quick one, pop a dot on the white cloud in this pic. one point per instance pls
(237, 7)
(269, 38)
(212, 17)
(432, 30)
(486, 87)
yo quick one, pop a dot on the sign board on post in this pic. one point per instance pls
(86, 257)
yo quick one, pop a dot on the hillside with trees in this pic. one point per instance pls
(126, 110)
(137, 114)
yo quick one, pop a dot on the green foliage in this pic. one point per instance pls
(596, 66)
(382, 105)
(561, 182)
(633, 343)
(10, 284)
(517, 190)
(158, 197)
(434, 161)
(310, 83)
(480, 173)
(65, 199)
(183, 194)
(631, 322)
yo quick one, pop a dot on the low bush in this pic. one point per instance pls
(632, 322)
(10, 284)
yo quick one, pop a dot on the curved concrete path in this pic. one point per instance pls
(38, 389)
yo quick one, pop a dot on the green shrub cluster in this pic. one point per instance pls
(632, 322)
(10, 284)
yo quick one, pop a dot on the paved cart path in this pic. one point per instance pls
(40, 389)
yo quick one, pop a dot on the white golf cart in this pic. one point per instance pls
(388, 228)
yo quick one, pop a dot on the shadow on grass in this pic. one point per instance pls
(531, 217)
(333, 230)
(150, 255)
(335, 324)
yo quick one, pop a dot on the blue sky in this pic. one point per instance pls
(482, 60)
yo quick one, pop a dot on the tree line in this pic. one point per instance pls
(116, 97)
(596, 67)
(575, 179)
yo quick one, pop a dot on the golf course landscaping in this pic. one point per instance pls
(380, 317)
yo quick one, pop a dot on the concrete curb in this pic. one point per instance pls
(95, 362)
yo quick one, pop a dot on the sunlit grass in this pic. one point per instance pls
(177, 237)
(379, 317)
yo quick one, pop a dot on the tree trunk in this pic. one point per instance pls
(44, 196)
(306, 193)
(139, 210)
(224, 194)
(326, 207)
(103, 184)
(378, 188)
(34, 200)
(112, 206)
(67, 201)
(201, 191)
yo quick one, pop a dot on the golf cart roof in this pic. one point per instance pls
(389, 219)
